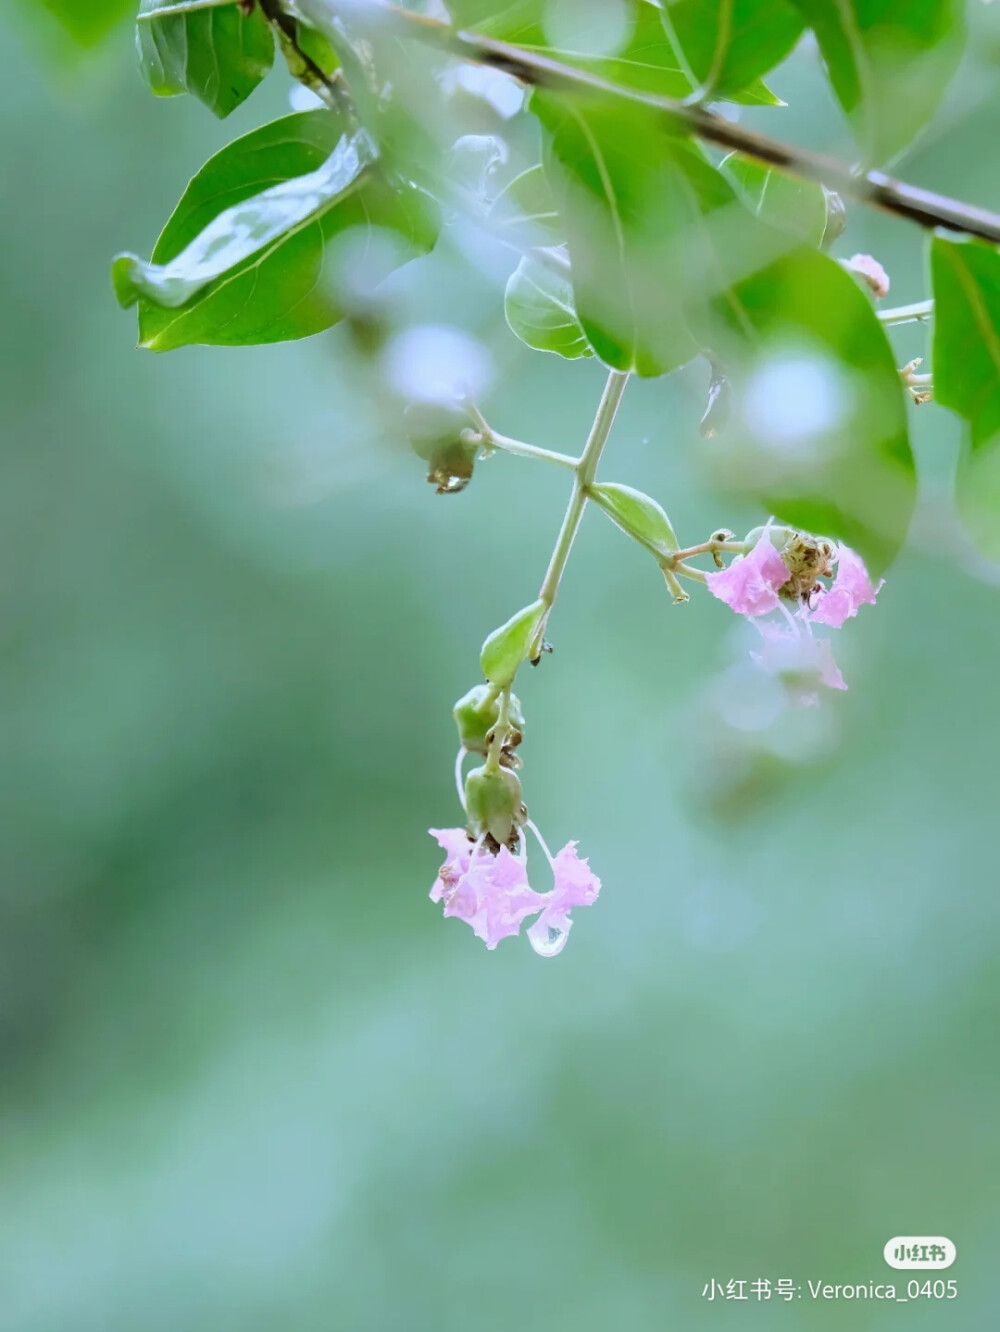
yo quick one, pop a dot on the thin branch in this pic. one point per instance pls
(872, 187)
(907, 314)
(330, 89)
(491, 440)
(181, 7)
(585, 470)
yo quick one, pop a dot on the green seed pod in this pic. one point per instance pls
(494, 803)
(476, 715)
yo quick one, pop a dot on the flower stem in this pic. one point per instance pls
(500, 730)
(676, 591)
(585, 469)
(708, 548)
(907, 314)
(490, 440)
(688, 571)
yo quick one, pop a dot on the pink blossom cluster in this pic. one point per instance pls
(491, 893)
(751, 586)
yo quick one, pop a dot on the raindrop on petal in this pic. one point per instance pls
(547, 940)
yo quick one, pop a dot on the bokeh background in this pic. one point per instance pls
(250, 1079)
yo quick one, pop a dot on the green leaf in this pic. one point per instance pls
(819, 432)
(538, 304)
(217, 52)
(637, 514)
(889, 61)
(654, 231)
(507, 647)
(966, 278)
(525, 212)
(310, 58)
(242, 259)
(728, 44)
(87, 23)
(796, 206)
(395, 84)
(642, 57)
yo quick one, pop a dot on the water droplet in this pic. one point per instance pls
(546, 940)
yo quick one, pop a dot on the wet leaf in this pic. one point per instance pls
(219, 53)
(525, 211)
(538, 304)
(728, 44)
(655, 232)
(966, 278)
(788, 202)
(644, 57)
(889, 62)
(242, 258)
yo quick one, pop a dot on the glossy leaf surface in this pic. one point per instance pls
(242, 259)
(538, 304)
(728, 44)
(218, 53)
(966, 278)
(889, 62)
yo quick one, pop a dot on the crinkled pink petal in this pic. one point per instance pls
(575, 885)
(833, 608)
(829, 671)
(866, 266)
(490, 893)
(505, 896)
(458, 849)
(750, 585)
(851, 588)
(852, 576)
(801, 660)
(575, 882)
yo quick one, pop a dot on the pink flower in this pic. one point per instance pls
(492, 894)
(872, 271)
(575, 885)
(750, 584)
(851, 588)
(802, 661)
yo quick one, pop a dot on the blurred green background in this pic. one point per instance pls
(250, 1079)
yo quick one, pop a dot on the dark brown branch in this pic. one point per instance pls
(872, 187)
(331, 90)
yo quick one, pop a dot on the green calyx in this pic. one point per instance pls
(494, 804)
(477, 712)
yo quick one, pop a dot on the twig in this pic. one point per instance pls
(872, 187)
(907, 314)
(330, 89)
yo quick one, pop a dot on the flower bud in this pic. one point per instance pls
(476, 714)
(637, 514)
(494, 804)
(507, 647)
(779, 536)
